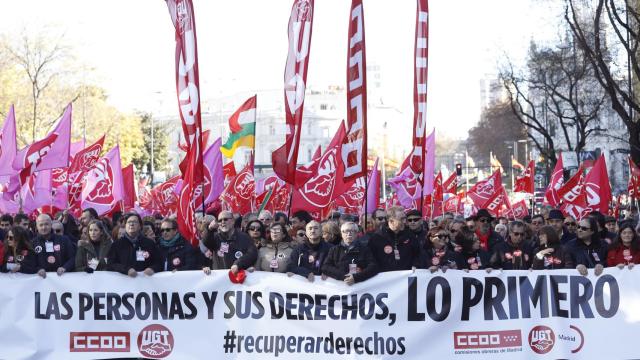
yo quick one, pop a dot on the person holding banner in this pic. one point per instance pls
(275, 256)
(133, 252)
(176, 253)
(550, 254)
(588, 251)
(54, 252)
(395, 247)
(307, 258)
(350, 261)
(437, 254)
(515, 252)
(228, 248)
(92, 255)
(18, 253)
(475, 258)
(626, 249)
(488, 238)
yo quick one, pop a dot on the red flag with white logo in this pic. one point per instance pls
(421, 52)
(551, 196)
(484, 190)
(354, 146)
(304, 173)
(104, 186)
(498, 203)
(519, 210)
(87, 158)
(285, 158)
(597, 190)
(573, 199)
(438, 190)
(450, 186)
(525, 182)
(239, 194)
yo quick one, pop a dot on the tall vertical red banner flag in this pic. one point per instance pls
(421, 52)
(354, 147)
(188, 89)
(285, 158)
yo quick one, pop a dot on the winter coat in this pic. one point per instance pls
(356, 256)
(62, 252)
(26, 258)
(476, 260)
(589, 256)
(87, 251)
(180, 256)
(395, 251)
(508, 256)
(307, 258)
(274, 257)
(224, 252)
(123, 255)
(558, 259)
(441, 258)
(620, 254)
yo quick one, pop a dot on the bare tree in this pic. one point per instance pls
(559, 93)
(598, 26)
(41, 57)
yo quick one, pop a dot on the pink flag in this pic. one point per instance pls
(406, 185)
(213, 173)
(8, 144)
(37, 191)
(49, 153)
(104, 186)
(373, 189)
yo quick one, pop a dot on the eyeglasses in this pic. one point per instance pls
(57, 231)
(265, 219)
(517, 234)
(224, 219)
(412, 220)
(570, 224)
(381, 218)
(9, 237)
(300, 234)
(167, 229)
(254, 228)
(583, 228)
(348, 231)
(484, 220)
(132, 222)
(441, 236)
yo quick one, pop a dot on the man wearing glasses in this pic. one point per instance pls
(177, 254)
(514, 253)
(134, 252)
(379, 218)
(556, 219)
(416, 224)
(265, 218)
(228, 248)
(54, 252)
(350, 261)
(307, 258)
(394, 246)
(483, 229)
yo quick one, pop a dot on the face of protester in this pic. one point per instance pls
(314, 233)
(536, 224)
(348, 232)
(148, 231)
(276, 234)
(132, 226)
(327, 236)
(57, 228)
(611, 227)
(484, 224)
(24, 223)
(265, 218)
(584, 230)
(254, 230)
(85, 218)
(471, 225)
(543, 239)
(626, 236)
(517, 235)
(414, 222)
(5, 225)
(168, 231)
(10, 240)
(225, 222)
(570, 224)
(455, 228)
(439, 240)
(94, 232)
(397, 222)
(557, 224)
(295, 222)
(43, 224)
(380, 218)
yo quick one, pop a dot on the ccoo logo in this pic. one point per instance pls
(155, 341)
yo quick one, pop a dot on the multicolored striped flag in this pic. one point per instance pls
(243, 128)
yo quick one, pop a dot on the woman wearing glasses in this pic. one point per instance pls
(514, 253)
(256, 232)
(177, 253)
(626, 249)
(474, 257)
(551, 253)
(18, 253)
(92, 255)
(437, 254)
(588, 251)
(275, 256)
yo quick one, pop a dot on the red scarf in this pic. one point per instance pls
(484, 239)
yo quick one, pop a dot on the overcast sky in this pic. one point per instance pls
(242, 47)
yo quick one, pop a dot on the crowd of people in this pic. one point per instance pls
(342, 246)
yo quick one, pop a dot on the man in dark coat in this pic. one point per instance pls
(133, 252)
(488, 238)
(228, 248)
(350, 261)
(307, 258)
(394, 246)
(54, 252)
(177, 254)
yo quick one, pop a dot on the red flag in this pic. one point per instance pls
(498, 203)
(186, 201)
(482, 191)
(596, 187)
(129, 181)
(519, 210)
(352, 201)
(205, 141)
(354, 146)
(229, 170)
(573, 198)
(240, 192)
(163, 198)
(104, 186)
(551, 196)
(281, 198)
(87, 158)
(285, 158)
(421, 53)
(525, 182)
(452, 204)
(634, 179)
(451, 184)
(304, 173)
(438, 188)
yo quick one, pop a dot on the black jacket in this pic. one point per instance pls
(445, 257)
(63, 253)
(240, 250)
(180, 256)
(476, 260)
(341, 256)
(507, 256)
(122, 255)
(493, 240)
(26, 258)
(384, 243)
(558, 259)
(307, 258)
(589, 256)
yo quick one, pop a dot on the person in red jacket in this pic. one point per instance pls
(626, 249)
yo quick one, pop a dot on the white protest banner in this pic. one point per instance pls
(456, 315)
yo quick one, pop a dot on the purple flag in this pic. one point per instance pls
(8, 144)
(36, 192)
(373, 189)
(104, 187)
(214, 175)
